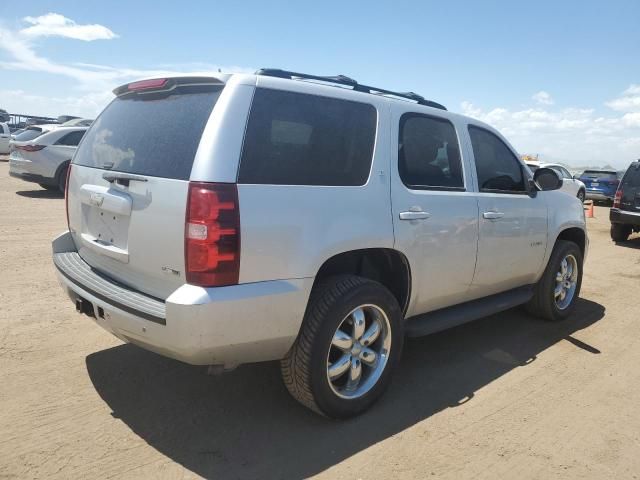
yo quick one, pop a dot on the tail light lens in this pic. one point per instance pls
(66, 194)
(618, 198)
(212, 234)
(30, 148)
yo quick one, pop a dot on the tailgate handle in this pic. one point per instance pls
(123, 177)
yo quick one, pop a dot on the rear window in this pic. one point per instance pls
(632, 177)
(300, 139)
(28, 134)
(600, 175)
(150, 134)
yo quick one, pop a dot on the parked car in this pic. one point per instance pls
(45, 159)
(625, 213)
(5, 138)
(600, 184)
(311, 220)
(30, 133)
(571, 185)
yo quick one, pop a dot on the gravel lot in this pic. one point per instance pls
(504, 397)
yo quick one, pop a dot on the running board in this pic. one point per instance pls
(445, 318)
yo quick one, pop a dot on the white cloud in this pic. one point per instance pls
(54, 24)
(577, 136)
(92, 82)
(628, 102)
(543, 98)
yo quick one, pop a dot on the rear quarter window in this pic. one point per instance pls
(301, 139)
(154, 134)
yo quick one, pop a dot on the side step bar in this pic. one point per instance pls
(445, 318)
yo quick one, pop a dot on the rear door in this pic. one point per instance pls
(129, 182)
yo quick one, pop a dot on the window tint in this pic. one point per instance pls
(601, 175)
(498, 168)
(71, 139)
(632, 177)
(299, 139)
(428, 153)
(150, 134)
(561, 171)
(28, 134)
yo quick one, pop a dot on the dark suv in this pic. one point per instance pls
(625, 214)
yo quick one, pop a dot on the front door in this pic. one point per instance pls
(435, 217)
(512, 223)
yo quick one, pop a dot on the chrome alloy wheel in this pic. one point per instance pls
(359, 351)
(566, 282)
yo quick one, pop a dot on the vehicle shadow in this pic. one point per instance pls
(40, 193)
(633, 242)
(244, 424)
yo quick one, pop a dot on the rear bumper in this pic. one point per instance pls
(28, 171)
(599, 195)
(621, 216)
(201, 326)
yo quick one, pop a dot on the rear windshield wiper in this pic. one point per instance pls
(123, 178)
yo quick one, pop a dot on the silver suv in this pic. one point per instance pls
(313, 220)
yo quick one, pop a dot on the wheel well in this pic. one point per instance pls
(384, 265)
(575, 235)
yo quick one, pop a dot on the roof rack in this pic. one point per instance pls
(349, 82)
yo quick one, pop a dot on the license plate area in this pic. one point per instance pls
(105, 227)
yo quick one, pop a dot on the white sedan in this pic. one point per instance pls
(571, 185)
(45, 159)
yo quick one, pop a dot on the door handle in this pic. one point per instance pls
(414, 215)
(493, 215)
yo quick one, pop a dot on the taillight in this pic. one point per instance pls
(66, 194)
(147, 84)
(212, 234)
(618, 198)
(30, 148)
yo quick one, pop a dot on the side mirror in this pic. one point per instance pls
(547, 179)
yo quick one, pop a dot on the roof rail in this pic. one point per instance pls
(349, 82)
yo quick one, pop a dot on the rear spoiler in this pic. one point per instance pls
(163, 84)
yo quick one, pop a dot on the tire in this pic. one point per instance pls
(48, 187)
(544, 303)
(333, 304)
(581, 195)
(61, 179)
(620, 232)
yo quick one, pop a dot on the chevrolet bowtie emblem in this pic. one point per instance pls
(96, 199)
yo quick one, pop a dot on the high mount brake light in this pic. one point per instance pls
(212, 235)
(147, 84)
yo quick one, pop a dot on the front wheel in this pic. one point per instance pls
(556, 293)
(349, 344)
(581, 196)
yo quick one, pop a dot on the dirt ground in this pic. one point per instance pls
(507, 396)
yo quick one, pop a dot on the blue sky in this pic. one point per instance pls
(561, 79)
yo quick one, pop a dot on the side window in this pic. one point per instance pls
(300, 139)
(428, 153)
(498, 168)
(71, 139)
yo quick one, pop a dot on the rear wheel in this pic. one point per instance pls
(556, 292)
(620, 232)
(349, 344)
(48, 187)
(62, 178)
